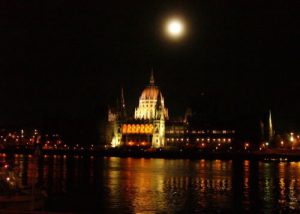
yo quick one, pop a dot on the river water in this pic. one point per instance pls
(90, 184)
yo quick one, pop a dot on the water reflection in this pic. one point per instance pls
(128, 185)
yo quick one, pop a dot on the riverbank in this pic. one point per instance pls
(251, 155)
(279, 155)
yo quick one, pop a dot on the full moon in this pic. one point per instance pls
(175, 28)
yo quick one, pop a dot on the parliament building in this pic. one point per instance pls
(151, 127)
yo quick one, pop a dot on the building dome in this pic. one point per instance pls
(150, 93)
(150, 98)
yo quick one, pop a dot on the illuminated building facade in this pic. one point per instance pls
(186, 136)
(147, 128)
(150, 126)
(150, 100)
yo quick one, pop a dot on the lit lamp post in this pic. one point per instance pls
(292, 140)
(267, 144)
(292, 137)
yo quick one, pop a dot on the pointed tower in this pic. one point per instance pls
(158, 138)
(152, 81)
(271, 131)
(117, 119)
(122, 98)
(158, 108)
(123, 113)
(262, 130)
(188, 114)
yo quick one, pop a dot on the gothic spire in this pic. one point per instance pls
(122, 99)
(271, 131)
(152, 77)
(122, 105)
(158, 102)
(159, 107)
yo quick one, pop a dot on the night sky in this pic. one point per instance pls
(63, 62)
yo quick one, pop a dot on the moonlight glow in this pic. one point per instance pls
(175, 28)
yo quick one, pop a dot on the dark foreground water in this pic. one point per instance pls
(128, 185)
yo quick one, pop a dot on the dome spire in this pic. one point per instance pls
(122, 104)
(122, 98)
(152, 77)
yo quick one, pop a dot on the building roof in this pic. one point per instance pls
(151, 92)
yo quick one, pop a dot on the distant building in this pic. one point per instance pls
(147, 128)
(151, 127)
